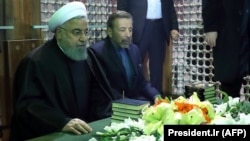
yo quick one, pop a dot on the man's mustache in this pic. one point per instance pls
(127, 40)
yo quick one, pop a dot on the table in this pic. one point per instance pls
(62, 136)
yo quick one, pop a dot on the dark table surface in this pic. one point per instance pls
(62, 136)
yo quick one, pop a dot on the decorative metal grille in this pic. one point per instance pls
(191, 59)
(98, 11)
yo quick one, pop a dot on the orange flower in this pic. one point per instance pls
(205, 114)
(186, 107)
(160, 100)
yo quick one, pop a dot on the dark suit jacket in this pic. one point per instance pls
(138, 9)
(115, 72)
(228, 18)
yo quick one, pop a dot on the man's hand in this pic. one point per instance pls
(157, 99)
(174, 34)
(77, 126)
(210, 38)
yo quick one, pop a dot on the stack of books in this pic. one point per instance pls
(210, 95)
(205, 91)
(127, 108)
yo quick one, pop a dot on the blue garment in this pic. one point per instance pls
(126, 63)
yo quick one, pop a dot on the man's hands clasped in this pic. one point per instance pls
(77, 126)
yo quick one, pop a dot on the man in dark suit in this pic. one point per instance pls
(121, 61)
(154, 22)
(226, 26)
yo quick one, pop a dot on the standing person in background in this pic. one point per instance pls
(121, 61)
(54, 84)
(226, 26)
(155, 21)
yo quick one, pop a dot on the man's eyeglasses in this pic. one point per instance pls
(77, 32)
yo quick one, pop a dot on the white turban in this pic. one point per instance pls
(65, 13)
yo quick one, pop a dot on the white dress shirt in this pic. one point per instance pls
(154, 9)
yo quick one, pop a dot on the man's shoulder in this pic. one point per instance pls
(42, 52)
(98, 44)
(134, 47)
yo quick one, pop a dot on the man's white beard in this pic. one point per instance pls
(77, 54)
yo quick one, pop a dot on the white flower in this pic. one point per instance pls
(219, 120)
(92, 139)
(233, 101)
(244, 119)
(220, 109)
(127, 123)
(143, 138)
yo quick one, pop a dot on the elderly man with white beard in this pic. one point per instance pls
(54, 84)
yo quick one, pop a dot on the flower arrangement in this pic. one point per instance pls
(181, 111)
(234, 111)
(129, 130)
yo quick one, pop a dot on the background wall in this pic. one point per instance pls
(23, 27)
(187, 60)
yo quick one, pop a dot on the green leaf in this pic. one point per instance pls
(225, 96)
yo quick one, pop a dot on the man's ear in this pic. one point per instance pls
(109, 32)
(58, 33)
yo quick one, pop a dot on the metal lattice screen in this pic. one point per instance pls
(98, 11)
(192, 58)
